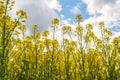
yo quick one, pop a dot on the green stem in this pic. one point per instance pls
(53, 51)
(3, 45)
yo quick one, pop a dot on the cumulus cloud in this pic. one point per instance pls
(65, 21)
(76, 9)
(39, 12)
(54, 5)
(95, 6)
(103, 10)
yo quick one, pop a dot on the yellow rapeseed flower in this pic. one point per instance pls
(22, 27)
(45, 33)
(55, 21)
(34, 27)
(79, 30)
(89, 26)
(17, 67)
(22, 13)
(66, 29)
(78, 18)
(101, 24)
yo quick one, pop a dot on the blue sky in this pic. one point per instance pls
(71, 5)
(41, 12)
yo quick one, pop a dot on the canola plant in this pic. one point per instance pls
(40, 57)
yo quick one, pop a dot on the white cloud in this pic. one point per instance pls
(54, 4)
(39, 12)
(95, 6)
(116, 34)
(65, 21)
(103, 10)
(62, 16)
(75, 9)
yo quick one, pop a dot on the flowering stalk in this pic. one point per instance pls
(3, 57)
(55, 23)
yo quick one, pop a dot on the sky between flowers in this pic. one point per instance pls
(41, 12)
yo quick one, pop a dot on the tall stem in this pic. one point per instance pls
(3, 44)
(53, 51)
